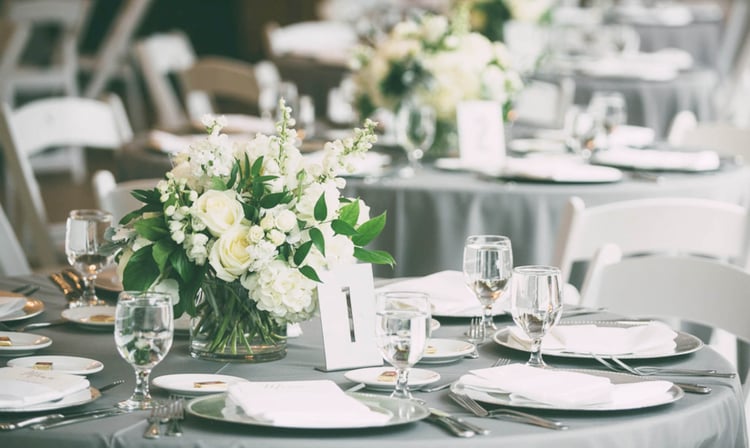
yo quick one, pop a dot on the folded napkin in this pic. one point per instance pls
(625, 135)
(11, 303)
(653, 337)
(653, 159)
(556, 169)
(21, 386)
(303, 404)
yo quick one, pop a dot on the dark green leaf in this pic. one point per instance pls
(147, 196)
(373, 256)
(152, 229)
(233, 175)
(218, 183)
(321, 209)
(141, 271)
(265, 178)
(182, 265)
(310, 273)
(342, 228)
(369, 230)
(318, 240)
(161, 252)
(189, 289)
(257, 166)
(301, 253)
(271, 200)
(251, 212)
(284, 251)
(350, 213)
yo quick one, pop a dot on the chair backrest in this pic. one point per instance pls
(12, 258)
(112, 53)
(218, 77)
(692, 288)
(48, 123)
(647, 226)
(116, 198)
(725, 139)
(159, 56)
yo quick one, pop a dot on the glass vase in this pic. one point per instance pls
(229, 327)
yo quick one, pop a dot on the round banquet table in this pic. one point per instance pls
(715, 420)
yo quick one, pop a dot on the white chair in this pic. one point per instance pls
(659, 225)
(696, 289)
(48, 123)
(12, 258)
(117, 198)
(326, 41)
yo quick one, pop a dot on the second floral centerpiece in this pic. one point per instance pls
(238, 232)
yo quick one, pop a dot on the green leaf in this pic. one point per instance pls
(321, 209)
(310, 273)
(233, 175)
(141, 271)
(257, 166)
(265, 178)
(343, 228)
(152, 229)
(182, 265)
(374, 256)
(218, 183)
(147, 196)
(350, 213)
(251, 212)
(189, 289)
(318, 240)
(369, 230)
(271, 200)
(161, 252)
(301, 253)
(284, 251)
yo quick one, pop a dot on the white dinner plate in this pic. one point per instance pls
(23, 343)
(108, 281)
(684, 343)
(33, 307)
(384, 378)
(215, 407)
(529, 145)
(196, 383)
(442, 351)
(64, 364)
(96, 317)
(504, 399)
(75, 399)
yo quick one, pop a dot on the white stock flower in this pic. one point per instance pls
(229, 256)
(276, 237)
(434, 28)
(218, 210)
(196, 248)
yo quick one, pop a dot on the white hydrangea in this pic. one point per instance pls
(282, 291)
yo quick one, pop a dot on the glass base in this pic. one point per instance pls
(134, 405)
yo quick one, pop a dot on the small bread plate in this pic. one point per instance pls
(217, 407)
(684, 343)
(75, 399)
(195, 383)
(33, 307)
(443, 351)
(14, 343)
(384, 378)
(93, 317)
(660, 398)
(64, 364)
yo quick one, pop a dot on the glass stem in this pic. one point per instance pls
(141, 393)
(402, 384)
(535, 360)
(487, 321)
(89, 293)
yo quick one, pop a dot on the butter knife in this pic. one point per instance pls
(102, 413)
(452, 426)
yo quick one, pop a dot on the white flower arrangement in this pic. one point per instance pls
(253, 214)
(489, 16)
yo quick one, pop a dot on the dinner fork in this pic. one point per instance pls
(176, 414)
(687, 387)
(502, 361)
(476, 334)
(477, 409)
(656, 371)
(158, 412)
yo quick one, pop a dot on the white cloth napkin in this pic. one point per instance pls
(556, 169)
(564, 389)
(21, 386)
(303, 404)
(653, 337)
(625, 135)
(658, 160)
(11, 303)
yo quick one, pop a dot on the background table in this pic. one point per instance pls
(694, 421)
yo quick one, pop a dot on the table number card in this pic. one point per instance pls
(347, 315)
(481, 138)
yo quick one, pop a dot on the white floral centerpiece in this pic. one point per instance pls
(246, 227)
(489, 16)
(439, 62)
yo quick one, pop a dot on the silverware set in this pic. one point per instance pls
(687, 387)
(475, 408)
(170, 413)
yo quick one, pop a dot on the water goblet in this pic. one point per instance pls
(144, 328)
(609, 111)
(415, 131)
(488, 267)
(85, 247)
(402, 327)
(536, 304)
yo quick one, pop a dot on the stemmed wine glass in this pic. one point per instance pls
(415, 131)
(609, 111)
(144, 328)
(85, 247)
(402, 327)
(536, 304)
(488, 266)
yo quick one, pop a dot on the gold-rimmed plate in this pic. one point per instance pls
(33, 307)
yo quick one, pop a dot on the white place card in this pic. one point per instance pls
(481, 138)
(347, 316)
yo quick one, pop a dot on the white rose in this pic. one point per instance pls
(267, 222)
(286, 221)
(218, 210)
(256, 234)
(229, 256)
(276, 237)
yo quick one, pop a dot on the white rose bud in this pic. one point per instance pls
(276, 237)
(267, 222)
(218, 210)
(286, 220)
(256, 234)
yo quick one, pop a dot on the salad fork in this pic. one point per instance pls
(477, 409)
(476, 334)
(656, 371)
(687, 387)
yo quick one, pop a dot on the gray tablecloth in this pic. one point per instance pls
(715, 420)
(429, 216)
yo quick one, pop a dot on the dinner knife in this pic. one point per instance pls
(452, 426)
(92, 415)
(461, 422)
